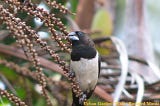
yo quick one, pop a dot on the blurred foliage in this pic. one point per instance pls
(102, 22)
(152, 18)
(6, 71)
(20, 84)
(73, 5)
(120, 14)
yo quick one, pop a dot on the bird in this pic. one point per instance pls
(84, 65)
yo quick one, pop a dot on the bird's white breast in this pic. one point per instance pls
(86, 71)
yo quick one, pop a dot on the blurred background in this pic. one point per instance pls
(130, 60)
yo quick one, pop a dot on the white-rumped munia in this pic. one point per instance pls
(84, 65)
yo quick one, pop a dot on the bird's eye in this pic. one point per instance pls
(79, 33)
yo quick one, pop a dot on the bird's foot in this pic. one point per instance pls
(71, 74)
(82, 99)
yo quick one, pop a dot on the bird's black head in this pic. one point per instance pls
(80, 38)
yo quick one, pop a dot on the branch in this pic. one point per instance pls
(20, 54)
(50, 65)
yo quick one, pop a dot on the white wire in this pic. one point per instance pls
(124, 63)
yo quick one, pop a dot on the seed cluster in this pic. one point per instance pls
(20, 70)
(25, 37)
(17, 28)
(62, 9)
(13, 98)
(26, 72)
(49, 19)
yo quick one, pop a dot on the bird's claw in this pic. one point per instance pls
(82, 99)
(71, 74)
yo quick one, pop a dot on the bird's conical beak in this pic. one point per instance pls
(72, 36)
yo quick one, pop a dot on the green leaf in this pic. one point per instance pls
(74, 4)
(21, 92)
(40, 102)
(4, 102)
(11, 75)
(102, 22)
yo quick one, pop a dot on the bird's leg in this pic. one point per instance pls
(71, 74)
(82, 98)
